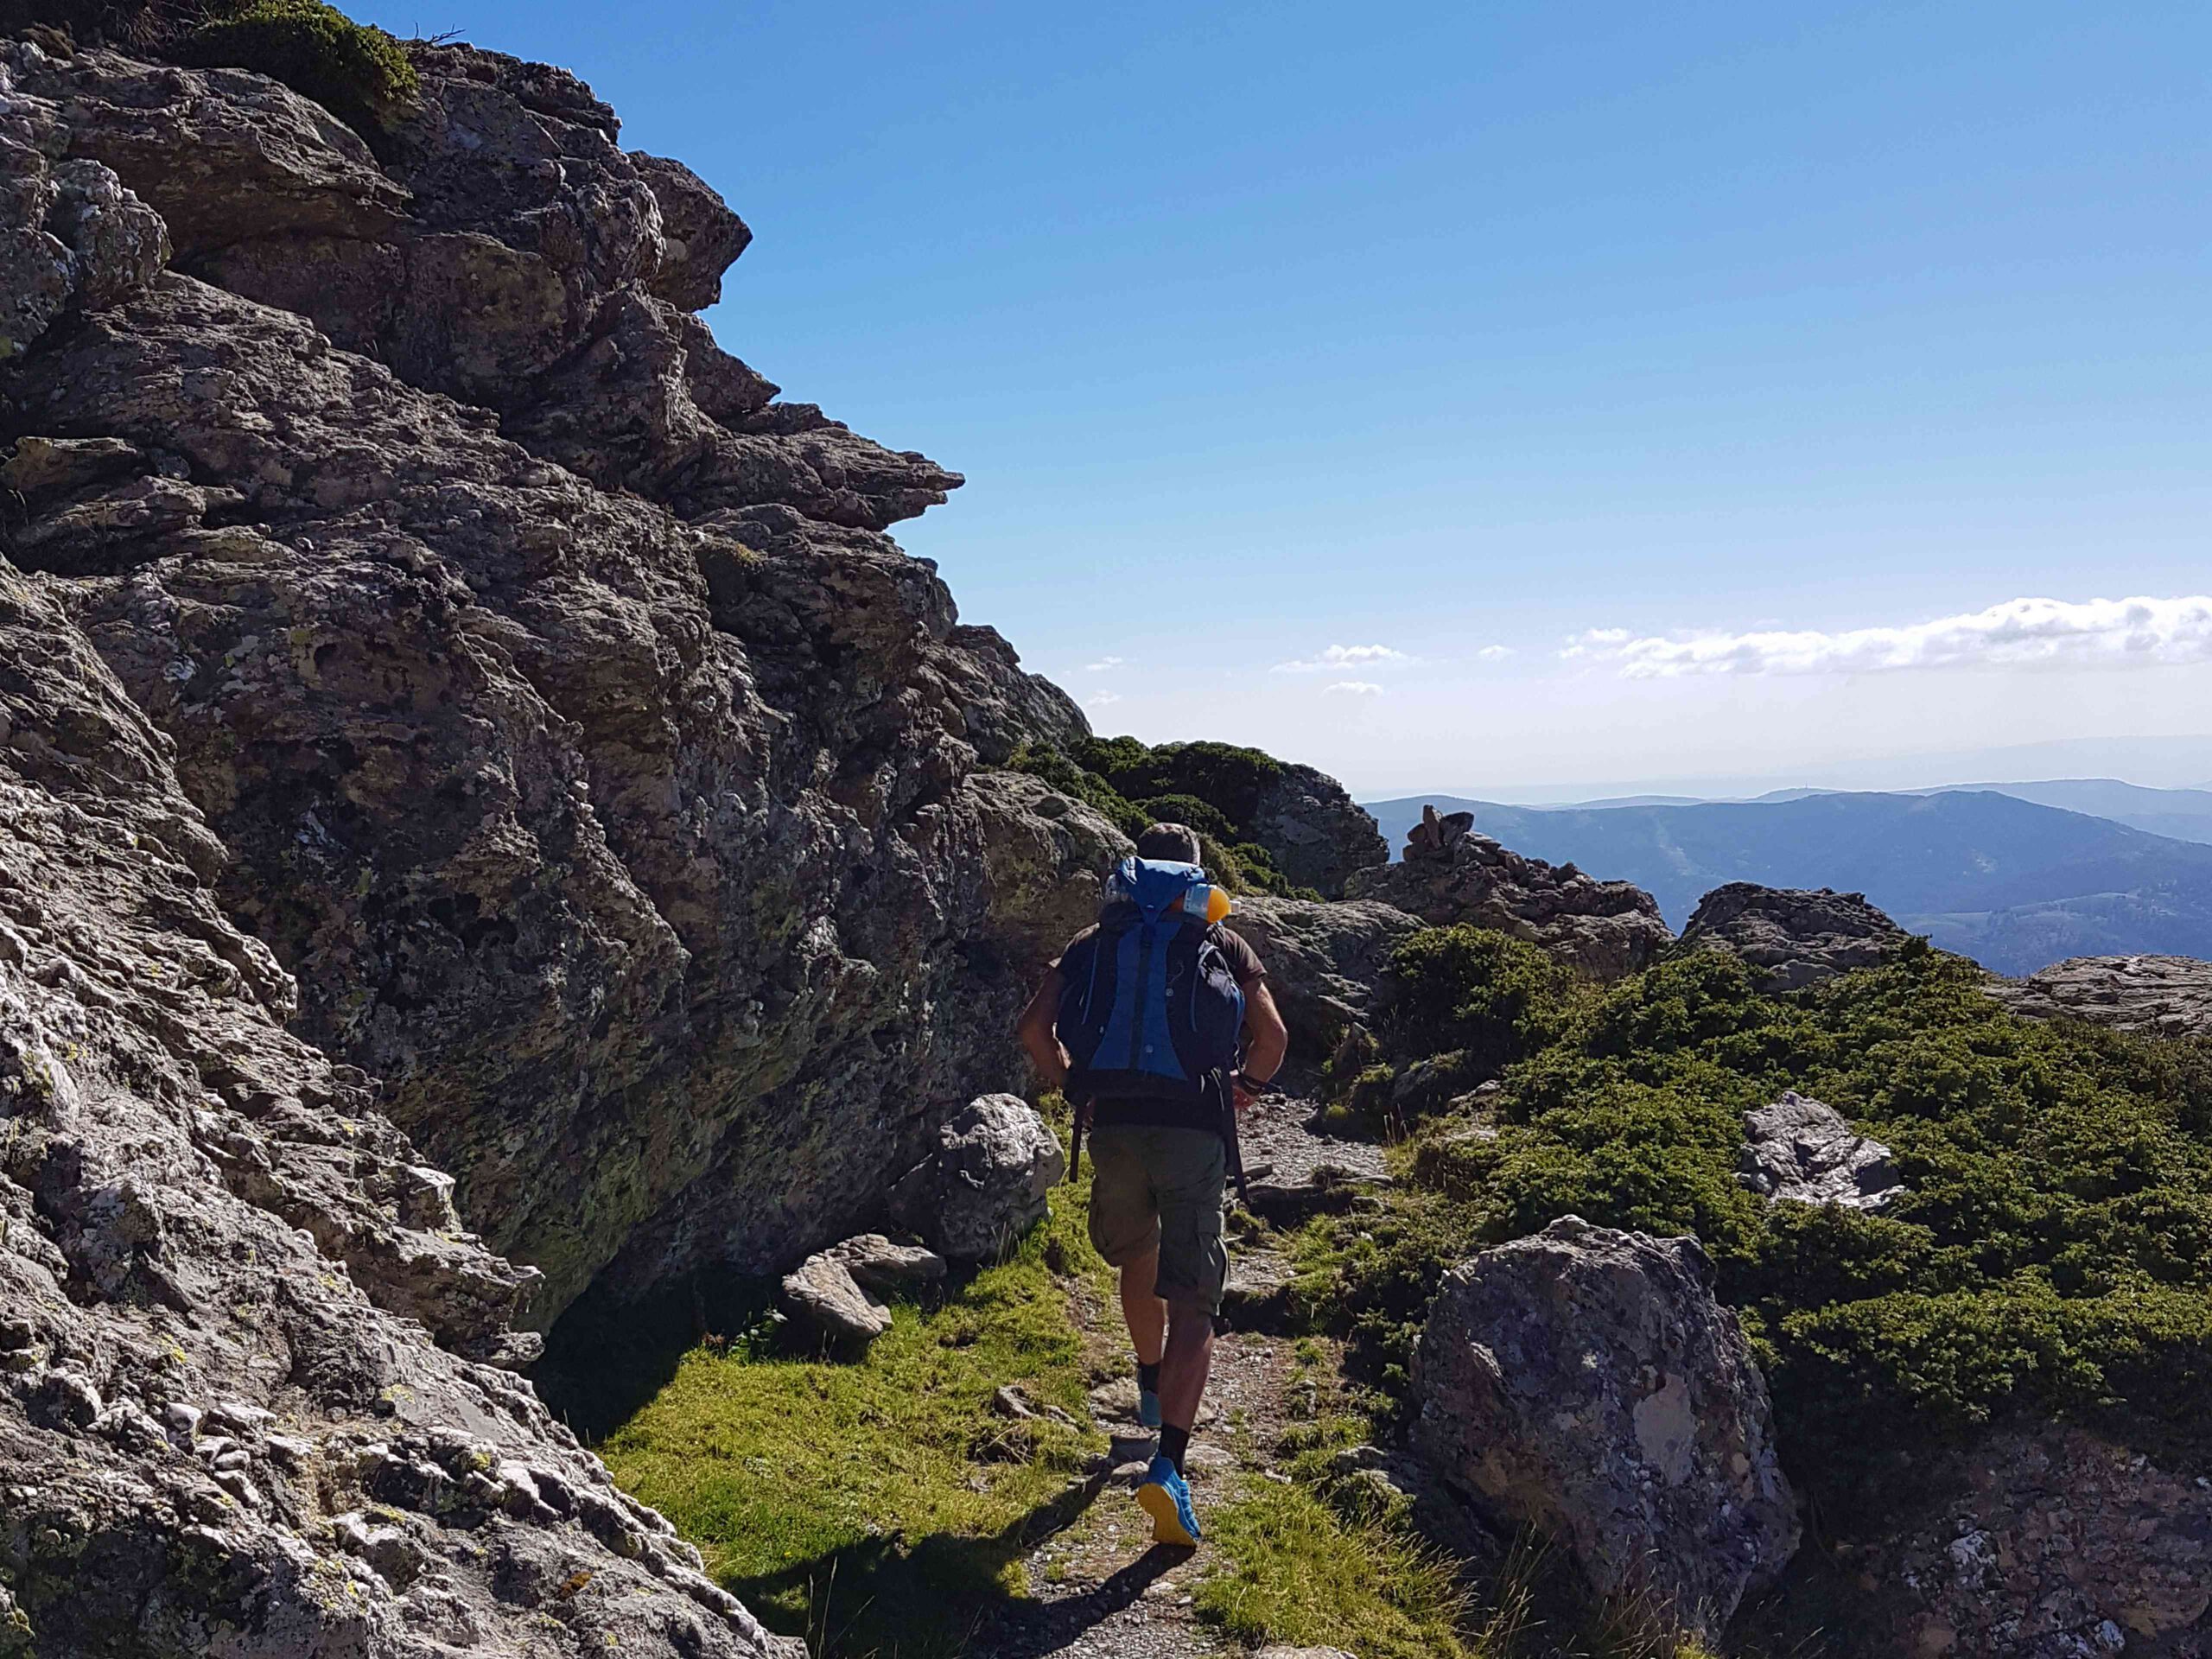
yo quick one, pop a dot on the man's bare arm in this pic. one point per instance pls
(1266, 1039)
(1038, 1036)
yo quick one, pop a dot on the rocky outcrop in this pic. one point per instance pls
(1316, 835)
(1793, 938)
(830, 1306)
(1586, 1382)
(620, 795)
(2056, 1545)
(1451, 874)
(2171, 995)
(1046, 861)
(987, 1183)
(838, 1296)
(1799, 1151)
(1326, 962)
(883, 1268)
(253, 1394)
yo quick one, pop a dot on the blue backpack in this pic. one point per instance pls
(1149, 1006)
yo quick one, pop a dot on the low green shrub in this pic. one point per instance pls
(357, 72)
(1212, 787)
(1495, 998)
(2053, 1254)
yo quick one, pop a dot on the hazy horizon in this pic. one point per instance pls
(2148, 763)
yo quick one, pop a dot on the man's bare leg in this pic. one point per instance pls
(1144, 1313)
(1186, 1364)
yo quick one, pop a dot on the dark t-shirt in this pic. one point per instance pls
(1245, 962)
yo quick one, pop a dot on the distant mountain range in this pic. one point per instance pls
(2014, 882)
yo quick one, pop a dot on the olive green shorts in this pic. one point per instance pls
(1157, 1189)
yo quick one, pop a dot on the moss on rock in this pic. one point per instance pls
(356, 71)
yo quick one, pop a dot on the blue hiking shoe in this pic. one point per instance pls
(1165, 1497)
(1148, 1407)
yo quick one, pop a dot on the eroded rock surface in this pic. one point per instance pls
(1450, 875)
(619, 794)
(1315, 832)
(2060, 1545)
(441, 691)
(2171, 995)
(1793, 938)
(1584, 1382)
(1800, 1151)
(252, 1389)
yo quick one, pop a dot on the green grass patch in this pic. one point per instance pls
(1288, 1567)
(880, 1506)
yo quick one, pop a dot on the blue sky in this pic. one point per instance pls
(1816, 332)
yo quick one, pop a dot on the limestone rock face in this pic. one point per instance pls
(620, 795)
(253, 1388)
(2172, 995)
(986, 1183)
(1315, 832)
(71, 235)
(2056, 1543)
(1045, 860)
(1793, 938)
(1451, 874)
(1584, 1382)
(1799, 1151)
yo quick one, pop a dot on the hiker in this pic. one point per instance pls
(1142, 1021)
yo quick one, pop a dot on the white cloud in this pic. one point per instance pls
(1492, 653)
(1100, 699)
(1102, 664)
(1354, 688)
(2017, 634)
(1339, 658)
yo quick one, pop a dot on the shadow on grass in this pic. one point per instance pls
(605, 1359)
(943, 1596)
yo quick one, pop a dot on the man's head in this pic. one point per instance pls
(1170, 843)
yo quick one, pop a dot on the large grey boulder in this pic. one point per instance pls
(1451, 874)
(2172, 995)
(1045, 858)
(1800, 1151)
(1584, 1382)
(1791, 937)
(987, 1183)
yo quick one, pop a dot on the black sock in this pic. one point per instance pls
(1148, 1377)
(1175, 1445)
